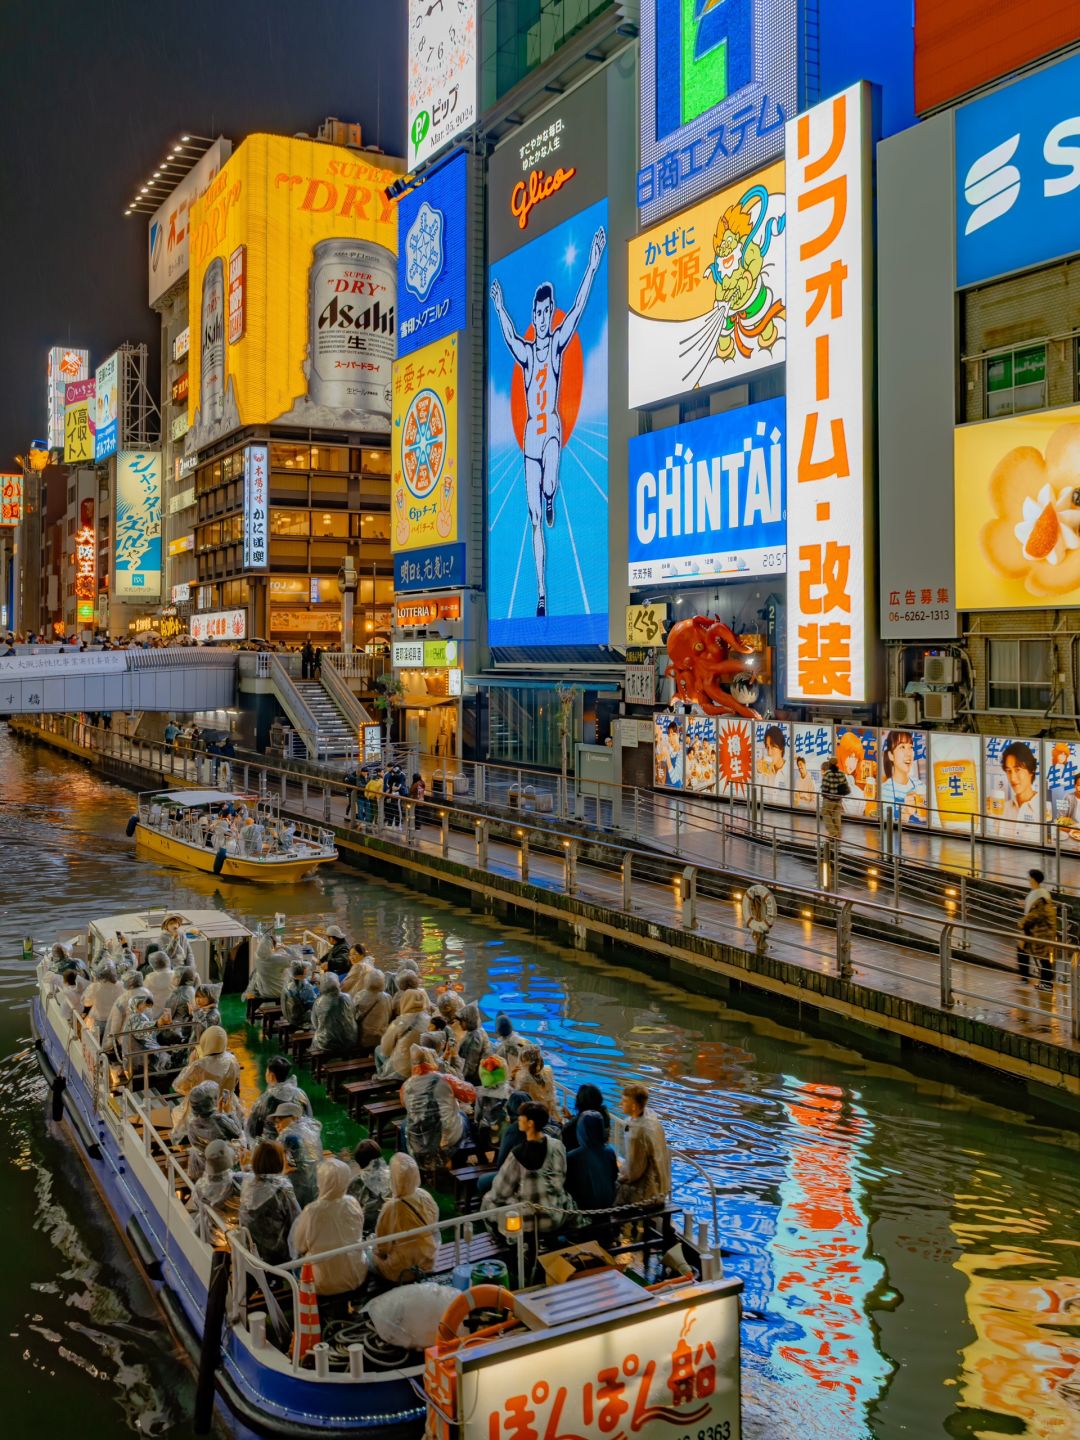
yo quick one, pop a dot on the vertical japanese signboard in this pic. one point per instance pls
(137, 550)
(106, 406)
(442, 74)
(423, 455)
(829, 380)
(79, 422)
(256, 510)
(86, 561)
(11, 497)
(64, 366)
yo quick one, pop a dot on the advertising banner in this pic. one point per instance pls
(813, 744)
(1061, 762)
(905, 781)
(424, 448)
(106, 407)
(137, 543)
(718, 83)
(548, 438)
(955, 764)
(829, 384)
(1018, 174)
(1015, 479)
(708, 499)
(735, 756)
(961, 45)
(772, 762)
(432, 259)
(699, 739)
(11, 499)
(79, 426)
(645, 625)
(167, 234)
(1011, 774)
(443, 71)
(319, 291)
(430, 569)
(256, 507)
(429, 611)
(219, 625)
(857, 756)
(706, 292)
(669, 771)
(86, 555)
(63, 366)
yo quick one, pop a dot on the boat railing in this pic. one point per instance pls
(248, 1264)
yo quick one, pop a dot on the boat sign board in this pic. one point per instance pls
(668, 1371)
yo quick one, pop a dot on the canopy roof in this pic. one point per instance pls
(193, 798)
(146, 924)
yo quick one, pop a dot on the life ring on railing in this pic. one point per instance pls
(440, 1371)
(477, 1297)
(761, 908)
(219, 860)
(131, 826)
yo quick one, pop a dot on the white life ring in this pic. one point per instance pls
(761, 907)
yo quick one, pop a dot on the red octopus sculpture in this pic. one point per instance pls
(699, 650)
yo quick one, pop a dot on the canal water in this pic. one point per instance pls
(909, 1246)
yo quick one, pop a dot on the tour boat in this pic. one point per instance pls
(251, 1354)
(209, 829)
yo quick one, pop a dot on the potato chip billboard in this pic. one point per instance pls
(318, 239)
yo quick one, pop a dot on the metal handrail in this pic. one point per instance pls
(294, 705)
(351, 709)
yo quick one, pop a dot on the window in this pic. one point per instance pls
(1016, 381)
(289, 522)
(235, 594)
(290, 457)
(375, 462)
(329, 526)
(1021, 675)
(330, 457)
(329, 490)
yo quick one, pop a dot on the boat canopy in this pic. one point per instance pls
(194, 798)
(146, 924)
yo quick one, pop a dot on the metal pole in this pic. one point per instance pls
(688, 890)
(628, 881)
(971, 862)
(723, 837)
(445, 832)
(637, 814)
(570, 867)
(945, 958)
(524, 856)
(678, 826)
(896, 885)
(1057, 857)
(774, 856)
(843, 940)
(965, 939)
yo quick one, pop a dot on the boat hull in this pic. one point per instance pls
(233, 867)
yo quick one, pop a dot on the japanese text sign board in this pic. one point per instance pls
(648, 1374)
(423, 455)
(256, 507)
(718, 83)
(645, 625)
(11, 499)
(106, 407)
(170, 226)
(442, 57)
(137, 541)
(219, 625)
(431, 289)
(79, 422)
(829, 383)
(431, 569)
(64, 366)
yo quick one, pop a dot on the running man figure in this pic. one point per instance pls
(541, 361)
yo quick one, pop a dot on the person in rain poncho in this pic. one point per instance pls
(181, 1002)
(217, 1188)
(298, 996)
(272, 965)
(333, 1019)
(206, 1121)
(122, 955)
(140, 1030)
(645, 1174)
(268, 1207)
(588, 1097)
(360, 965)
(434, 1124)
(533, 1175)
(392, 1056)
(71, 993)
(370, 1183)
(336, 959)
(118, 1015)
(333, 1220)
(281, 1089)
(174, 942)
(61, 958)
(99, 997)
(212, 1061)
(508, 1043)
(405, 982)
(289, 1119)
(205, 1011)
(408, 1208)
(159, 982)
(536, 1079)
(450, 1005)
(592, 1168)
(392, 981)
(473, 1044)
(490, 1112)
(300, 1166)
(253, 837)
(372, 1007)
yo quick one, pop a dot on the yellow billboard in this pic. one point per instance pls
(423, 451)
(1017, 501)
(292, 288)
(79, 427)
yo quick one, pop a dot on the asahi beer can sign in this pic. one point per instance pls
(213, 343)
(351, 349)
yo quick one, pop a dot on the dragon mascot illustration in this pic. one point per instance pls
(701, 652)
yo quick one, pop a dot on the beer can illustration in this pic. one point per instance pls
(351, 294)
(212, 384)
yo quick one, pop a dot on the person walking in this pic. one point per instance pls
(834, 787)
(1038, 925)
(307, 660)
(417, 793)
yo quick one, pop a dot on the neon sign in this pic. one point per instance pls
(540, 187)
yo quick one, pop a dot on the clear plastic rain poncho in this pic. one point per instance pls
(297, 999)
(392, 1057)
(206, 1123)
(282, 1092)
(372, 1006)
(473, 1044)
(333, 1220)
(218, 1188)
(272, 965)
(333, 1019)
(203, 1017)
(301, 1166)
(268, 1209)
(408, 1207)
(177, 947)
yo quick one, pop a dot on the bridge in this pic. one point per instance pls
(39, 681)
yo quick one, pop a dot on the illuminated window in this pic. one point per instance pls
(290, 457)
(289, 522)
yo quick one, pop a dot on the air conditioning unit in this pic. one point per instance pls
(904, 710)
(939, 707)
(941, 670)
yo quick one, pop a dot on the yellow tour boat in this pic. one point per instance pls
(239, 837)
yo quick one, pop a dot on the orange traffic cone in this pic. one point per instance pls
(308, 1318)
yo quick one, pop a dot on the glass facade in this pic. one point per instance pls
(517, 36)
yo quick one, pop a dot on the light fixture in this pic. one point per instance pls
(738, 894)
(872, 870)
(806, 914)
(512, 1222)
(951, 893)
(185, 138)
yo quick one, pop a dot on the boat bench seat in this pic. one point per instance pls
(299, 1041)
(464, 1181)
(357, 1092)
(481, 1247)
(380, 1115)
(335, 1072)
(267, 1015)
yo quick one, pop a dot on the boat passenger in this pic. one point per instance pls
(298, 996)
(252, 838)
(281, 1089)
(588, 1097)
(508, 1043)
(645, 1174)
(490, 1112)
(405, 982)
(272, 965)
(217, 1189)
(131, 982)
(472, 1041)
(533, 1175)
(450, 1005)
(372, 1008)
(336, 958)
(291, 1118)
(159, 982)
(206, 1120)
(408, 1208)
(370, 1184)
(182, 999)
(592, 1167)
(213, 1061)
(175, 943)
(61, 958)
(141, 1031)
(393, 978)
(300, 1165)
(287, 836)
(330, 1222)
(268, 1207)
(71, 994)
(434, 1125)
(122, 955)
(99, 997)
(392, 1053)
(360, 964)
(333, 1019)
(534, 1077)
(206, 1012)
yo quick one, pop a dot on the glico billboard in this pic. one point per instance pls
(293, 281)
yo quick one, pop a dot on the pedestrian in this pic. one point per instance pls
(172, 730)
(372, 790)
(417, 792)
(352, 780)
(307, 660)
(1038, 925)
(391, 803)
(834, 787)
(316, 664)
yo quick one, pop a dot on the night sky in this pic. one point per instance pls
(93, 95)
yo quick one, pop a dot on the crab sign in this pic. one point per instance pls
(701, 653)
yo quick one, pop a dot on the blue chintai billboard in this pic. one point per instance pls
(547, 479)
(708, 500)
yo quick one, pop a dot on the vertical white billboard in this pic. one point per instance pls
(137, 549)
(256, 507)
(106, 406)
(167, 235)
(830, 447)
(64, 368)
(443, 41)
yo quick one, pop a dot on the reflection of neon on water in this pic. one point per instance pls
(824, 1275)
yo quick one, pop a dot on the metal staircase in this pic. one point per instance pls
(336, 738)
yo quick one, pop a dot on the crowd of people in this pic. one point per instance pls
(235, 827)
(369, 784)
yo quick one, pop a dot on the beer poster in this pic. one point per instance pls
(79, 426)
(320, 287)
(955, 770)
(423, 451)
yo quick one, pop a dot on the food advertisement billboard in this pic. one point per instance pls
(669, 770)
(137, 545)
(11, 499)
(219, 625)
(956, 769)
(857, 756)
(829, 388)
(443, 41)
(708, 499)
(63, 366)
(424, 452)
(106, 407)
(1015, 480)
(706, 292)
(1013, 780)
(320, 281)
(1018, 175)
(79, 424)
(167, 233)
(734, 756)
(772, 762)
(813, 744)
(905, 777)
(1061, 762)
(548, 438)
(700, 737)
(256, 507)
(432, 274)
(718, 83)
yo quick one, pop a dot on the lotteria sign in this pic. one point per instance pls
(708, 500)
